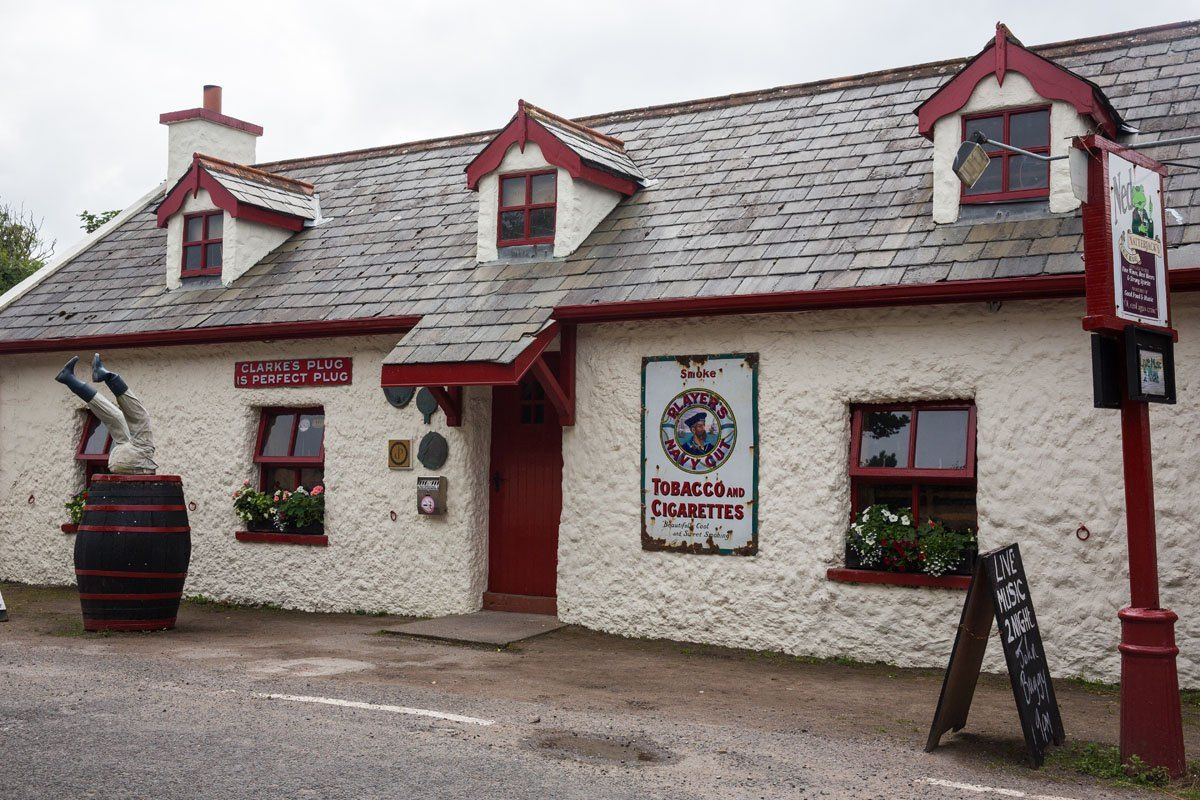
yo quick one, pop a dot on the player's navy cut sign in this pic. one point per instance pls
(1000, 590)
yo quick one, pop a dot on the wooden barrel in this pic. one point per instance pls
(131, 552)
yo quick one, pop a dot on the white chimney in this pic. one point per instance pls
(206, 130)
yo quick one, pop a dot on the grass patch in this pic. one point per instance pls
(225, 605)
(1104, 762)
(1093, 687)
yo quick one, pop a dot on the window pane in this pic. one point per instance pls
(541, 222)
(213, 256)
(941, 439)
(885, 439)
(195, 229)
(215, 222)
(512, 225)
(989, 182)
(991, 127)
(191, 257)
(953, 506)
(280, 478)
(512, 191)
(543, 188)
(309, 435)
(94, 446)
(1031, 129)
(1027, 173)
(894, 495)
(278, 434)
(312, 476)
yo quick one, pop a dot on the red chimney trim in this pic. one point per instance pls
(210, 116)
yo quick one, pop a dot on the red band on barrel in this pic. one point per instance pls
(134, 529)
(116, 573)
(144, 596)
(135, 508)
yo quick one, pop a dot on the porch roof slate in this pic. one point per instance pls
(803, 187)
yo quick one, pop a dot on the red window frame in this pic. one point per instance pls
(203, 244)
(296, 462)
(861, 476)
(1005, 156)
(93, 463)
(527, 207)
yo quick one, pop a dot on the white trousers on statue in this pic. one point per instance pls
(128, 422)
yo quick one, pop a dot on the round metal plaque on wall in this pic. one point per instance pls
(399, 396)
(427, 404)
(433, 450)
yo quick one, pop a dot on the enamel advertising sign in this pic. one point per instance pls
(293, 372)
(1139, 249)
(700, 454)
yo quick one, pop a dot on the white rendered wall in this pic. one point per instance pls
(581, 205)
(989, 95)
(1047, 462)
(205, 431)
(201, 136)
(244, 243)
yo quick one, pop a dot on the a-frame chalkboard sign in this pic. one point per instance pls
(1000, 590)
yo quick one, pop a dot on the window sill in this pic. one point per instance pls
(266, 537)
(913, 579)
(69, 527)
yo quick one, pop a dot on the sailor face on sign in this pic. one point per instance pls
(694, 435)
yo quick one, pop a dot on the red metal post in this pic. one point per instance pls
(1151, 724)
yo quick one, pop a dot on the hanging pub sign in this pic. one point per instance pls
(700, 454)
(1124, 240)
(1000, 590)
(293, 372)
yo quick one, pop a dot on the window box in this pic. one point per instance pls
(69, 527)
(911, 579)
(966, 566)
(269, 537)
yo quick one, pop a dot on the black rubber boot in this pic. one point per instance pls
(66, 376)
(101, 375)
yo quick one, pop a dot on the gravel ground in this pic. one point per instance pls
(188, 714)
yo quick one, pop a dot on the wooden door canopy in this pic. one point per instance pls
(445, 381)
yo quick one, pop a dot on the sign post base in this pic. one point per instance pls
(1151, 724)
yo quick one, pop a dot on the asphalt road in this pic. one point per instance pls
(87, 717)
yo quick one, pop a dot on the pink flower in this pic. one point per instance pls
(286, 495)
(246, 482)
(318, 490)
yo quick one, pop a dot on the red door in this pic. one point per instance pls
(526, 500)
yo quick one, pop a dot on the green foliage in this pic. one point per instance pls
(93, 222)
(1104, 762)
(889, 540)
(300, 508)
(75, 506)
(22, 251)
(253, 507)
(282, 510)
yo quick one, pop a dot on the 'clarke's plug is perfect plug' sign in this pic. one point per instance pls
(292, 372)
(700, 454)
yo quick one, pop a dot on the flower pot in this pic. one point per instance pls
(315, 530)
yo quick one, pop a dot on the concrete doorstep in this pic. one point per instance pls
(499, 628)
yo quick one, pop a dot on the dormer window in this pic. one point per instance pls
(202, 244)
(527, 208)
(1011, 176)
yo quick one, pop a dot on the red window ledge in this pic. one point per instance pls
(898, 578)
(69, 527)
(311, 539)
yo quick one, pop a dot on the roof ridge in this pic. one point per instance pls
(605, 140)
(255, 172)
(1089, 44)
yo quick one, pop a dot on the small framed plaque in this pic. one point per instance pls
(1149, 365)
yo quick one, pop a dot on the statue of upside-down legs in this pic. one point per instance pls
(133, 543)
(128, 422)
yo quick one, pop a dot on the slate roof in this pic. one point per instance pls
(262, 189)
(607, 154)
(817, 185)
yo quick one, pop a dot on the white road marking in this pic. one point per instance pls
(417, 712)
(974, 787)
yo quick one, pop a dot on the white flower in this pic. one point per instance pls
(905, 521)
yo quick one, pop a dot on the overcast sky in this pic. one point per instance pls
(82, 84)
